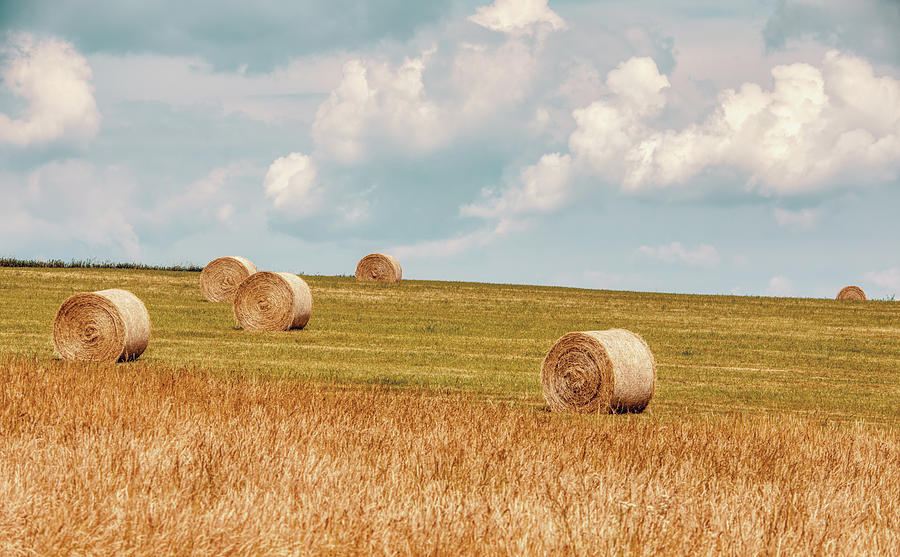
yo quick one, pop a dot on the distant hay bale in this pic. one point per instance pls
(104, 326)
(379, 267)
(220, 278)
(851, 293)
(599, 371)
(268, 301)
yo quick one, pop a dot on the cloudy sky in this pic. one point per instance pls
(712, 146)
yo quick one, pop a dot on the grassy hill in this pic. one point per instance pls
(714, 354)
(409, 419)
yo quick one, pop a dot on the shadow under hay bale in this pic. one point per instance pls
(221, 277)
(103, 326)
(609, 371)
(268, 301)
(379, 267)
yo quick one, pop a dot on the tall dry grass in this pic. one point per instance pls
(139, 459)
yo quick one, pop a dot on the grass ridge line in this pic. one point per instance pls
(94, 264)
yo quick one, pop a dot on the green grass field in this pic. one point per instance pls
(714, 354)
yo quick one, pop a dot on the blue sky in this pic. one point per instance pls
(715, 147)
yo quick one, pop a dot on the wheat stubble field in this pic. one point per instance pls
(408, 419)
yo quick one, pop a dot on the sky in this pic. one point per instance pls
(722, 147)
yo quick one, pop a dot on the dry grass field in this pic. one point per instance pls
(408, 419)
(150, 460)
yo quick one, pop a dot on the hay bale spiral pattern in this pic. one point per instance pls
(103, 326)
(379, 267)
(851, 293)
(599, 371)
(268, 301)
(221, 277)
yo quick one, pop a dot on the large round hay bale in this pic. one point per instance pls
(221, 277)
(103, 326)
(599, 371)
(379, 267)
(268, 301)
(851, 293)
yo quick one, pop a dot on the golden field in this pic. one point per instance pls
(101, 460)
(408, 419)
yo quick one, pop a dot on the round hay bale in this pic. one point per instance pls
(599, 371)
(268, 301)
(221, 277)
(851, 293)
(379, 267)
(103, 326)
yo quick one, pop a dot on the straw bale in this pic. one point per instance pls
(220, 278)
(268, 301)
(851, 293)
(599, 371)
(103, 326)
(379, 267)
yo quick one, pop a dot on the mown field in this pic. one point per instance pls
(409, 419)
(714, 354)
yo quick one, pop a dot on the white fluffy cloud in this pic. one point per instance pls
(702, 256)
(70, 203)
(74, 207)
(55, 82)
(547, 185)
(540, 188)
(291, 184)
(487, 78)
(375, 99)
(887, 278)
(814, 128)
(378, 107)
(381, 106)
(518, 16)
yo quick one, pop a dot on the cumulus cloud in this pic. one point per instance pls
(814, 128)
(518, 17)
(607, 130)
(380, 106)
(487, 78)
(55, 82)
(70, 204)
(887, 278)
(702, 256)
(76, 208)
(540, 188)
(374, 99)
(291, 184)
(384, 109)
(200, 201)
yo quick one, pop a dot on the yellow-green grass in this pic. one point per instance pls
(714, 354)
